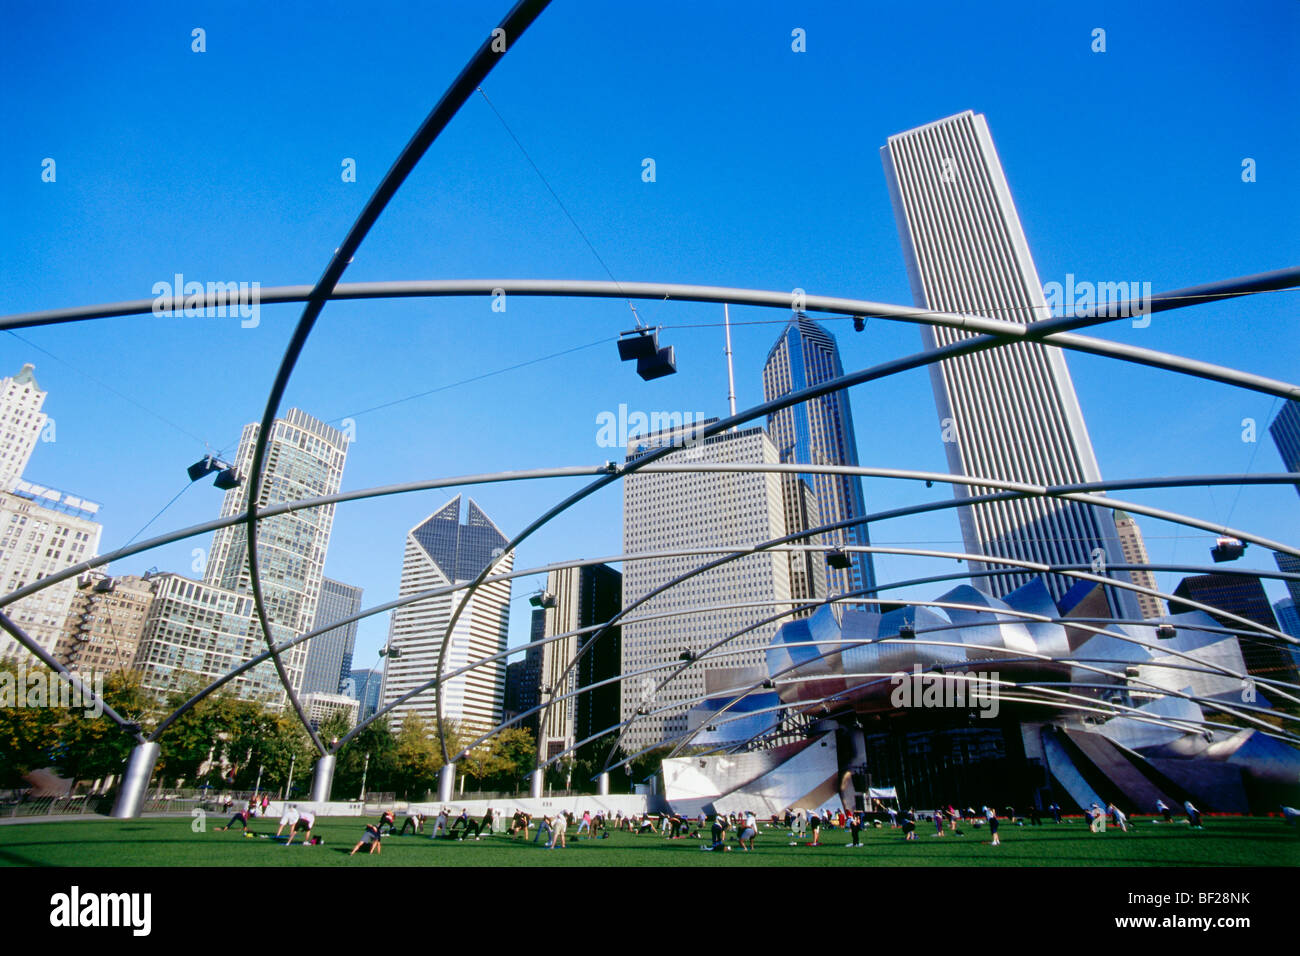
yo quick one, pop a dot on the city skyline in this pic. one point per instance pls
(1068, 202)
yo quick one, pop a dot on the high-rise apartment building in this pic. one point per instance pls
(1135, 552)
(196, 632)
(584, 597)
(304, 459)
(1009, 412)
(442, 550)
(819, 432)
(329, 655)
(42, 531)
(679, 511)
(105, 622)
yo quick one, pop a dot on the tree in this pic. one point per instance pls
(377, 741)
(196, 737)
(28, 735)
(418, 758)
(95, 746)
(517, 752)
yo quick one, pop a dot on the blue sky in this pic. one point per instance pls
(225, 165)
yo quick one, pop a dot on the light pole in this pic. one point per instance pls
(289, 784)
(365, 768)
(257, 787)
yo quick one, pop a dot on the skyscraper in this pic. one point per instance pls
(819, 432)
(1288, 618)
(1242, 595)
(195, 632)
(105, 622)
(304, 459)
(1285, 430)
(1135, 552)
(42, 530)
(21, 421)
(441, 550)
(1008, 412)
(584, 597)
(524, 679)
(364, 686)
(671, 511)
(1289, 564)
(329, 655)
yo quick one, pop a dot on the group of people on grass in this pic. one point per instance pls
(297, 819)
(669, 825)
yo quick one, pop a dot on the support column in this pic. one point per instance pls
(446, 783)
(322, 779)
(602, 784)
(536, 784)
(130, 799)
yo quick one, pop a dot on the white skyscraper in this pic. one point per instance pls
(42, 530)
(670, 511)
(21, 421)
(440, 550)
(1008, 412)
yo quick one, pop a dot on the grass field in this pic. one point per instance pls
(165, 842)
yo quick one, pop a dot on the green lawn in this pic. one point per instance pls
(171, 842)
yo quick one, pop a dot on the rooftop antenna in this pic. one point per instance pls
(731, 372)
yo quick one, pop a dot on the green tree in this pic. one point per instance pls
(418, 758)
(95, 746)
(517, 753)
(265, 745)
(377, 741)
(195, 745)
(28, 735)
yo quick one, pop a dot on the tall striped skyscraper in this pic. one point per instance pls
(442, 550)
(1008, 412)
(819, 432)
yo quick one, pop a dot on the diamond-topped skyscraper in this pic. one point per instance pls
(440, 551)
(819, 432)
(1008, 412)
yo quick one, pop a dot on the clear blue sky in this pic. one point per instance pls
(225, 165)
